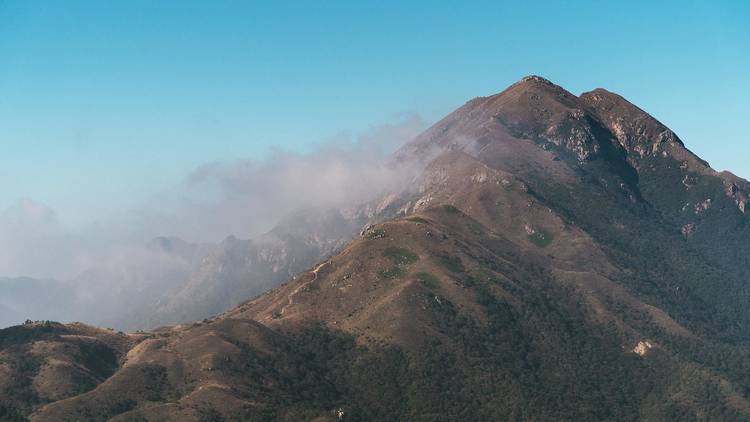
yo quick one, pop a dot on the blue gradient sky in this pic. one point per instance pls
(105, 103)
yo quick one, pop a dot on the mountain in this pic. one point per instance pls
(173, 281)
(560, 257)
(236, 269)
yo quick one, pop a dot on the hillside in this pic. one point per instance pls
(173, 281)
(43, 362)
(561, 257)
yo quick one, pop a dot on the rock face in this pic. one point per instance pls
(642, 348)
(561, 257)
(637, 132)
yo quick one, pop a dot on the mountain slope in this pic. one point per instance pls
(172, 281)
(445, 310)
(624, 178)
(545, 266)
(42, 362)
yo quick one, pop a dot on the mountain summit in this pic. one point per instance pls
(560, 257)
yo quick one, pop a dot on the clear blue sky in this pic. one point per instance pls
(105, 102)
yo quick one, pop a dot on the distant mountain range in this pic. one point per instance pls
(560, 258)
(194, 282)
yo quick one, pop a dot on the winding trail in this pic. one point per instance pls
(290, 298)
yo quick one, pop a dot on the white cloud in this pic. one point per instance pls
(34, 243)
(242, 198)
(247, 197)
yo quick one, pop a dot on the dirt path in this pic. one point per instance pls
(302, 286)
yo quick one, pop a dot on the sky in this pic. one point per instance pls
(105, 105)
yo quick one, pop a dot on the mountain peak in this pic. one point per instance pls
(536, 78)
(537, 84)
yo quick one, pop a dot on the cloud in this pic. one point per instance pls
(29, 213)
(34, 243)
(247, 197)
(244, 198)
(111, 269)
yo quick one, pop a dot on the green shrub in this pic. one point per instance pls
(476, 228)
(391, 273)
(452, 263)
(400, 256)
(451, 209)
(541, 238)
(428, 280)
(10, 414)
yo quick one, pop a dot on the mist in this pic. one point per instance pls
(247, 197)
(113, 261)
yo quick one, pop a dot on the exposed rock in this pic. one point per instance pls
(688, 181)
(422, 203)
(536, 78)
(480, 177)
(736, 188)
(703, 206)
(642, 348)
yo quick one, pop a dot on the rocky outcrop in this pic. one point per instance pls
(738, 189)
(635, 130)
(642, 348)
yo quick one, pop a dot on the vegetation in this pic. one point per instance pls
(400, 256)
(541, 238)
(475, 227)
(700, 281)
(391, 273)
(452, 263)
(94, 361)
(428, 280)
(11, 414)
(450, 209)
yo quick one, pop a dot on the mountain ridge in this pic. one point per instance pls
(560, 257)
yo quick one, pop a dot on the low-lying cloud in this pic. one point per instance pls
(243, 198)
(33, 242)
(246, 197)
